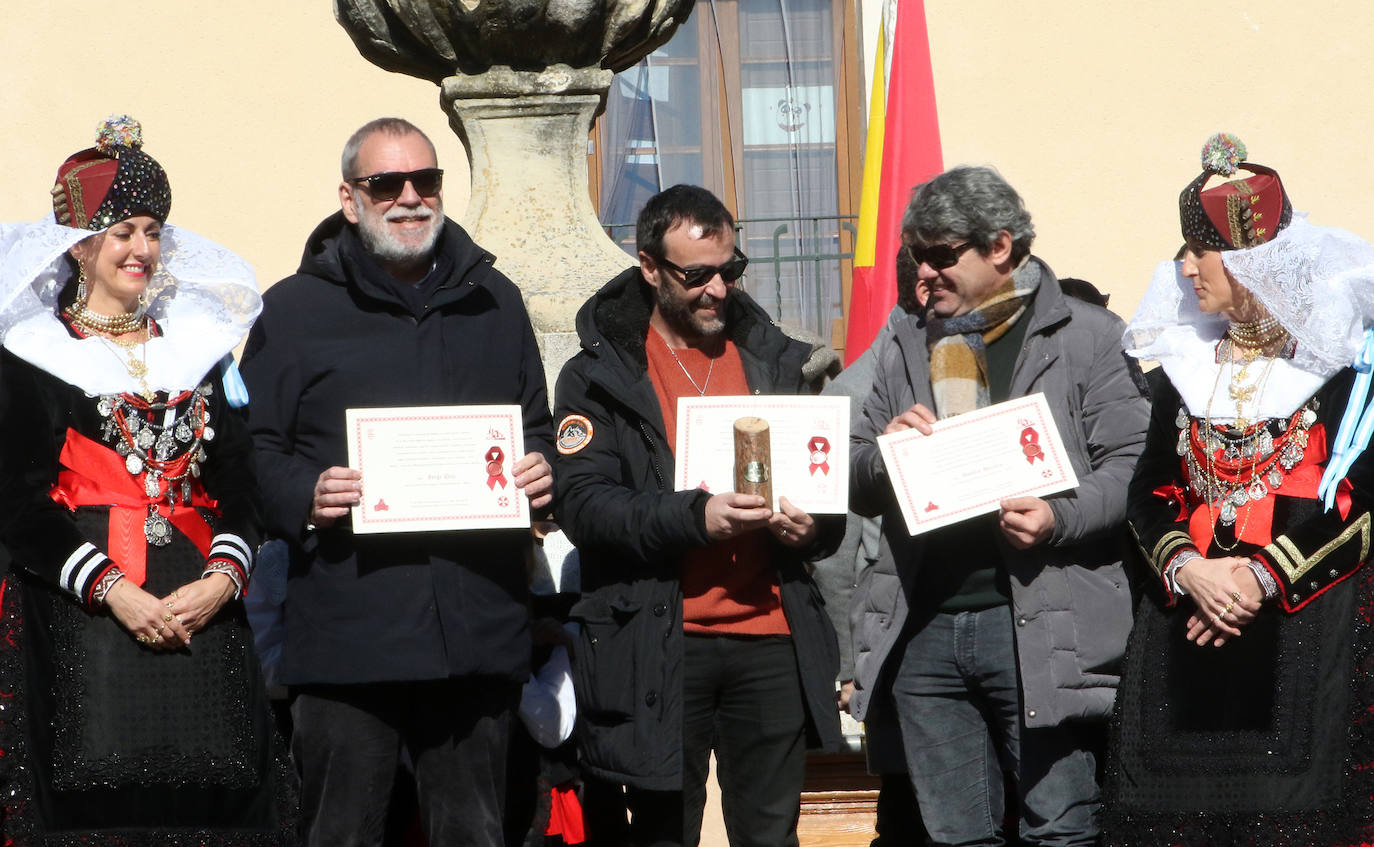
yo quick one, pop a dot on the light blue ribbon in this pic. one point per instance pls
(234, 389)
(1357, 424)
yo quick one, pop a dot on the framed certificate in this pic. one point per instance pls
(429, 468)
(809, 446)
(973, 461)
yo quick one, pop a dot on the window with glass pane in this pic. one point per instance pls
(743, 100)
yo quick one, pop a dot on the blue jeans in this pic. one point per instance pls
(958, 700)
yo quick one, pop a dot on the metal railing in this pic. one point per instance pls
(817, 231)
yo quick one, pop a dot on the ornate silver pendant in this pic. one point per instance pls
(104, 407)
(208, 434)
(1275, 478)
(133, 463)
(150, 486)
(1228, 513)
(1181, 420)
(145, 439)
(166, 445)
(158, 530)
(1257, 490)
(183, 432)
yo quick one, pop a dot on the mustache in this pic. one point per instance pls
(421, 213)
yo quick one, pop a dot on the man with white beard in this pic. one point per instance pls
(413, 641)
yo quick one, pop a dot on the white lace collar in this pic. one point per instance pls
(204, 298)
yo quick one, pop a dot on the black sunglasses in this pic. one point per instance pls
(388, 185)
(938, 256)
(702, 274)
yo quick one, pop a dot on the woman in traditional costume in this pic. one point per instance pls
(1243, 713)
(132, 709)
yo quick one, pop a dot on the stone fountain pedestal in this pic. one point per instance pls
(526, 137)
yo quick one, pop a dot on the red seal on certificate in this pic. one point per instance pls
(1030, 445)
(494, 475)
(819, 446)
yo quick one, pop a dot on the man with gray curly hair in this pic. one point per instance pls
(996, 641)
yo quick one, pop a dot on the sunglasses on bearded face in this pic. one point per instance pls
(938, 256)
(702, 274)
(388, 185)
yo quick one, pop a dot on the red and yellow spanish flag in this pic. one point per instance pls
(902, 151)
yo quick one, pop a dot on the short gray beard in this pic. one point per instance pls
(385, 247)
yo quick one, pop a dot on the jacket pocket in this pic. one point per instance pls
(604, 664)
(1102, 615)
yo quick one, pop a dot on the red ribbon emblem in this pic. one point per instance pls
(819, 446)
(1030, 445)
(494, 475)
(94, 475)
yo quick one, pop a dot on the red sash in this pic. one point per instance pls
(94, 475)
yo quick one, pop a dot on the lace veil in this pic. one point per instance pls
(1318, 281)
(204, 298)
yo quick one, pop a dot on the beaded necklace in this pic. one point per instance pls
(121, 324)
(1270, 456)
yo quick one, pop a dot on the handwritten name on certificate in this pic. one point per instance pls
(808, 444)
(428, 468)
(973, 461)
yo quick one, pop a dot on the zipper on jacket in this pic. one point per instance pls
(653, 452)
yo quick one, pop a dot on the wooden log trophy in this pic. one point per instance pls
(753, 459)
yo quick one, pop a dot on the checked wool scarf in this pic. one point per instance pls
(958, 345)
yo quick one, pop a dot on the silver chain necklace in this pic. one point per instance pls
(701, 389)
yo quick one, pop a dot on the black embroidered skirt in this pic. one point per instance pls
(1266, 741)
(107, 742)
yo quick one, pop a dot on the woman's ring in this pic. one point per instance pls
(143, 639)
(1229, 607)
(1235, 595)
(167, 617)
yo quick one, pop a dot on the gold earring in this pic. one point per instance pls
(81, 290)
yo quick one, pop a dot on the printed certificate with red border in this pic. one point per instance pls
(808, 443)
(428, 468)
(973, 461)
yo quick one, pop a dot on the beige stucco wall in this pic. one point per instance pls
(1096, 112)
(247, 105)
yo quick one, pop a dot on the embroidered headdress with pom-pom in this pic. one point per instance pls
(102, 185)
(1236, 214)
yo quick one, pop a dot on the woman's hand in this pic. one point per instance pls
(145, 617)
(1226, 594)
(196, 602)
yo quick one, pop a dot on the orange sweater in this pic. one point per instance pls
(730, 587)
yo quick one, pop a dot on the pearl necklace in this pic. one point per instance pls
(121, 324)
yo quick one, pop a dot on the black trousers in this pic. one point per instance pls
(348, 740)
(742, 698)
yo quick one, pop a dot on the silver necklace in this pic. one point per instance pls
(701, 389)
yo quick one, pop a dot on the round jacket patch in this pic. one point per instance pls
(574, 433)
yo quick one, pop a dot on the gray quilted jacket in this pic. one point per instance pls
(1071, 599)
